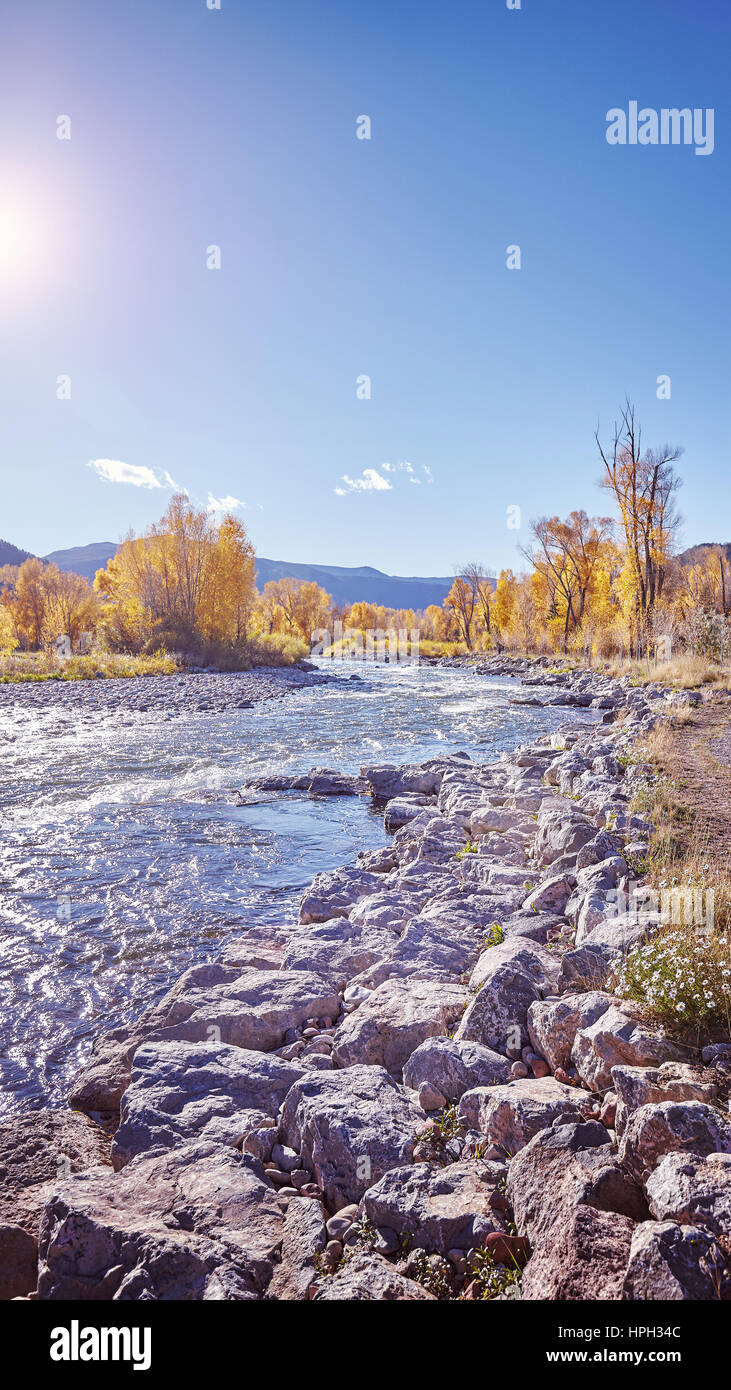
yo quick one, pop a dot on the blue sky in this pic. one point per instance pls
(342, 257)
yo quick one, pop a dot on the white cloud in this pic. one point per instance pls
(370, 480)
(223, 504)
(412, 471)
(114, 471)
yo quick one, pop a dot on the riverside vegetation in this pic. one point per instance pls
(597, 587)
(463, 1073)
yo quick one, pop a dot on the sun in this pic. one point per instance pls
(15, 236)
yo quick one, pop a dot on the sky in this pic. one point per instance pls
(130, 364)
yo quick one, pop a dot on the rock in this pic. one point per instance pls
(430, 1098)
(350, 1127)
(386, 781)
(18, 1261)
(584, 1261)
(553, 1025)
(303, 1238)
(37, 1149)
(600, 847)
(510, 982)
(559, 833)
(395, 1019)
(621, 931)
(636, 1086)
(337, 950)
(529, 956)
(319, 781)
(334, 894)
(370, 1278)
(670, 1262)
(693, 1190)
(552, 895)
(454, 1067)
(618, 1036)
(511, 1114)
(534, 926)
(589, 966)
(400, 810)
(563, 1167)
(198, 1222)
(434, 946)
(185, 1091)
(447, 1208)
(249, 1008)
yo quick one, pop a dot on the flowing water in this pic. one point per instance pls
(124, 856)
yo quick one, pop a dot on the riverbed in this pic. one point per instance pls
(125, 855)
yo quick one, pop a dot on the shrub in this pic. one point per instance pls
(682, 977)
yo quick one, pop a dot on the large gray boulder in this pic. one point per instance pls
(567, 1166)
(350, 1127)
(511, 977)
(185, 1091)
(453, 1067)
(439, 1209)
(510, 1115)
(553, 1024)
(668, 1262)
(209, 1003)
(367, 1278)
(303, 1239)
(584, 1261)
(198, 1222)
(673, 1126)
(693, 1189)
(636, 1086)
(395, 1019)
(619, 1036)
(334, 894)
(37, 1149)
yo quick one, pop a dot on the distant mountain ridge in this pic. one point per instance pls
(11, 555)
(361, 583)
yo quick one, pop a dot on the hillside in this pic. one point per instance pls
(11, 555)
(83, 559)
(362, 583)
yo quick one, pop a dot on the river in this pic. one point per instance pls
(124, 856)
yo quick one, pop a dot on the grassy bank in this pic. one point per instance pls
(266, 650)
(683, 975)
(684, 672)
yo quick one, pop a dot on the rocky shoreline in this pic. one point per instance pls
(422, 1089)
(208, 691)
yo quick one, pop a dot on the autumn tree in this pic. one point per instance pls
(643, 486)
(461, 600)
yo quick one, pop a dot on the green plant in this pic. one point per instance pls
(469, 848)
(430, 1273)
(494, 1280)
(682, 977)
(494, 937)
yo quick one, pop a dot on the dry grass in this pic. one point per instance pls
(41, 666)
(682, 673)
(689, 803)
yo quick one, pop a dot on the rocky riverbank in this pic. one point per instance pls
(185, 692)
(423, 1088)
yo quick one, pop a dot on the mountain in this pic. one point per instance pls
(83, 559)
(11, 555)
(347, 585)
(696, 553)
(362, 584)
